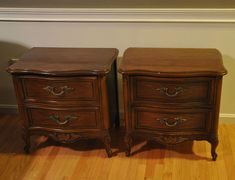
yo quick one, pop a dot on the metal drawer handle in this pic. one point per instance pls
(165, 121)
(67, 119)
(164, 90)
(63, 90)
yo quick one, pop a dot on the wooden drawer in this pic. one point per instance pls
(59, 88)
(71, 118)
(169, 120)
(173, 90)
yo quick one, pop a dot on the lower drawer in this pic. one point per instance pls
(62, 118)
(170, 120)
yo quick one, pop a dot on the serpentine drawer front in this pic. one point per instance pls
(68, 118)
(61, 89)
(172, 90)
(172, 95)
(186, 120)
(67, 93)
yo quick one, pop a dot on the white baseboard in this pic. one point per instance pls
(227, 118)
(8, 109)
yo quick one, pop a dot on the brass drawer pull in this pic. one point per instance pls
(165, 121)
(164, 90)
(67, 119)
(63, 90)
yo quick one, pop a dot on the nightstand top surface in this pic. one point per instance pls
(65, 61)
(172, 61)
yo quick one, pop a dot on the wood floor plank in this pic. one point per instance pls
(39, 166)
(87, 160)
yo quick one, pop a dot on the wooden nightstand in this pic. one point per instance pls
(67, 93)
(172, 95)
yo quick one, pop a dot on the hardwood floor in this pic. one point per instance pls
(88, 160)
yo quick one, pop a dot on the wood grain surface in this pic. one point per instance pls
(169, 81)
(65, 61)
(67, 94)
(172, 61)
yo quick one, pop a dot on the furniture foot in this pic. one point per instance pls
(214, 156)
(128, 142)
(26, 138)
(107, 141)
(27, 149)
(214, 143)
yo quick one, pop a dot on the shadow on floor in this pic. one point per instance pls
(11, 142)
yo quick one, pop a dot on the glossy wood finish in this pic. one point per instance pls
(65, 61)
(63, 93)
(86, 159)
(166, 120)
(180, 90)
(172, 95)
(173, 62)
(66, 118)
(60, 89)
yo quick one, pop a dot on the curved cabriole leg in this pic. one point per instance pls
(128, 142)
(26, 138)
(214, 143)
(117, 121)
(107, 141)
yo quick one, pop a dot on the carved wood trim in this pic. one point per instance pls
(170, 139)
(65, 137)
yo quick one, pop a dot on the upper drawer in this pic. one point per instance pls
(69, 88)
(173, 90)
